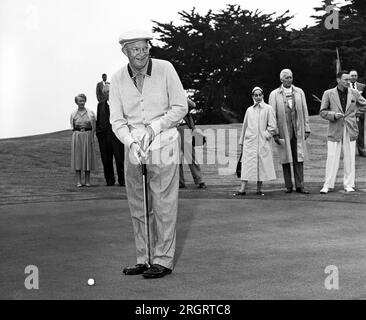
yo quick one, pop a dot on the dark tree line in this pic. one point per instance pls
(220, 56)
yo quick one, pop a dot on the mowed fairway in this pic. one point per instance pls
(271, 247)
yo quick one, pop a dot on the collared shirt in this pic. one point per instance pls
(343, 98)
(354, 85)
(288, 94)
(258, 104)
(138, 76)
(290, 111)
(162, 103)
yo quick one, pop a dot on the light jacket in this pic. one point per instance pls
(278, 101)
(161, 105)
(331, 105)
(259, 126)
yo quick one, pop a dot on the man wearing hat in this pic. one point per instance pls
(291, 111)
(147, 101)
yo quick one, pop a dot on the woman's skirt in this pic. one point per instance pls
(83, 151)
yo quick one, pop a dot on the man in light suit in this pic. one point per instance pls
(361, 139)
(100, 87)
(291, 111)
(339, 106)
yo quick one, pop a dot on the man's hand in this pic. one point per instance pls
(147, 138)
(276, 139)
(307, 134)
(137, 152)
(338, 115)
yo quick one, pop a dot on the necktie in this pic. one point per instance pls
(289, 100)
(354, 85)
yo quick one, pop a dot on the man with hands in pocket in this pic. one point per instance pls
(339, 106)
(293, 128)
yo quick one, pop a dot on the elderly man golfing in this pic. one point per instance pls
(147, 101)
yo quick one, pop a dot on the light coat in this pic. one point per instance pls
(278, 101)
(256, 136)
(331, 105)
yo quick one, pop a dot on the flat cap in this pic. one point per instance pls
(134, 35)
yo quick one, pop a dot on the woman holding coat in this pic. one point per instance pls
(255, 140)
(83, 157)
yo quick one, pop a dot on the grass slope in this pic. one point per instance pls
(37, 169)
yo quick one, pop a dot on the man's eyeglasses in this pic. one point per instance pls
(136, 51)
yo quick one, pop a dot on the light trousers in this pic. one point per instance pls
(333, 157)
(163, 187)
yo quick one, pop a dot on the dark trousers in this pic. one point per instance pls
(188, 152)
(298, 168)
(110, 146)
(361, 136)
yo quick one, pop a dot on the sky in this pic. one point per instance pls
(50, 51)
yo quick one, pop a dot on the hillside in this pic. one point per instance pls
(37, 169)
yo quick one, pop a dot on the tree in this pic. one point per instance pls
(221, 56)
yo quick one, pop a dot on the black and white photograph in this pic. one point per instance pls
(182, 156)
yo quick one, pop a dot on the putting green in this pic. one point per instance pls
(226, 249)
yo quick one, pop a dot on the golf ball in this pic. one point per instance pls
(91, 282)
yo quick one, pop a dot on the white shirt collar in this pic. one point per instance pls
(260, 104)
(287, 89)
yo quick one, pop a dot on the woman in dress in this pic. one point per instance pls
(83, 157)
(255, 141)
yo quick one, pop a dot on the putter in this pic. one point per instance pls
(146, 206)
(146, 210)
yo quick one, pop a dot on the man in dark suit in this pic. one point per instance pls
(109, 144)
(361, 139)
(100, 86)
(188, 151)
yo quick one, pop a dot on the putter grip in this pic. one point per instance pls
(144, 169)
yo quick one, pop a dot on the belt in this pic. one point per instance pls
(82, 129)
